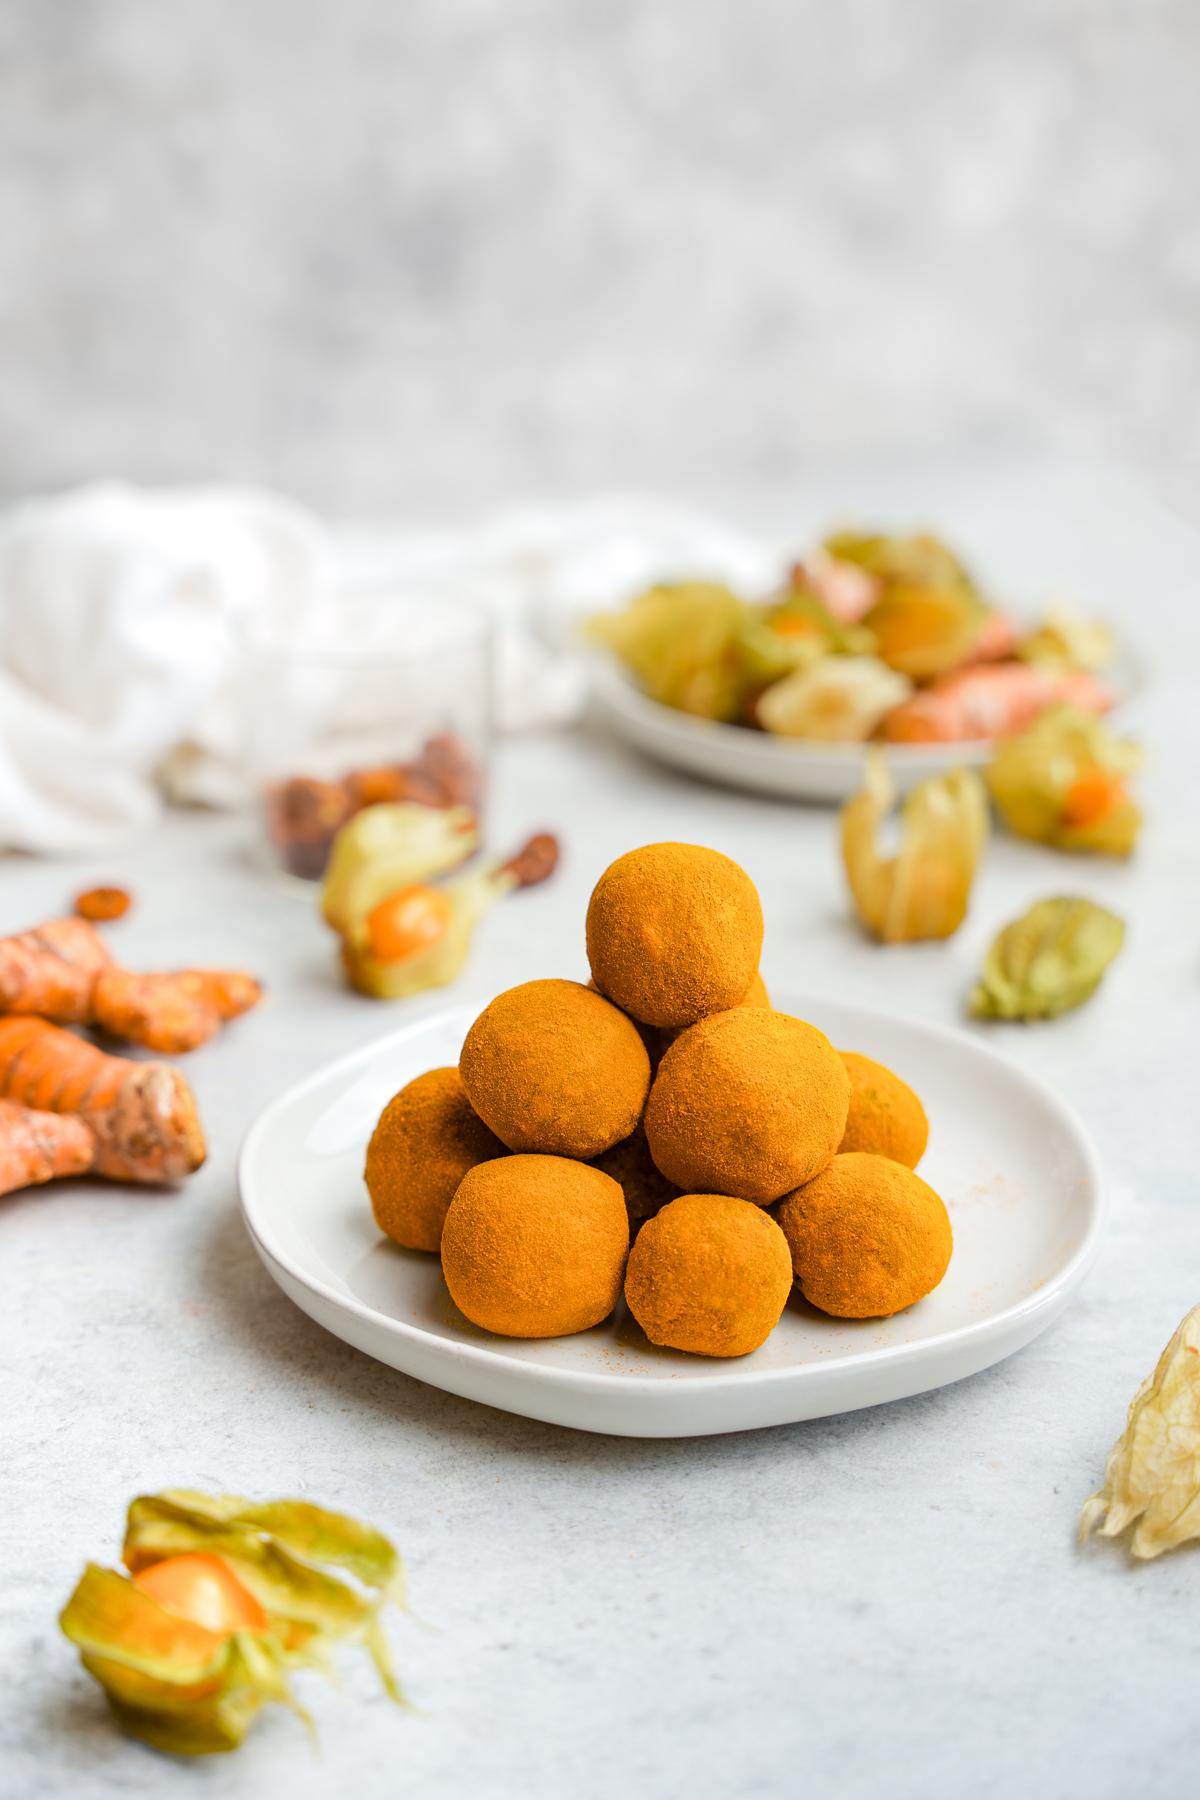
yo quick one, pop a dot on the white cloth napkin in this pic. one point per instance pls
(121, 611)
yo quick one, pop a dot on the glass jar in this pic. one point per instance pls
(383, 694)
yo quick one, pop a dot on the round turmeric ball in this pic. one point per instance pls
(885, 1115)
(750, 1102)
(867, 1237)
(674, 933)
(554, 1068)
(427, 1138)
(631, 1165)
(709, 1274)
(535, 1246)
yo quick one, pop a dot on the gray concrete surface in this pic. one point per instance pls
(403, 258)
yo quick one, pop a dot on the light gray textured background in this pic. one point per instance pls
(435, 254)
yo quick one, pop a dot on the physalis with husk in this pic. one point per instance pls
(923, 889)
(1064, 782)
(401, 933)
(1152, 1479)
(221, 1599)
(1048, 961)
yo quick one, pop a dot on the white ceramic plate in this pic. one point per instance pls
(1015, 1167)
(733, 756)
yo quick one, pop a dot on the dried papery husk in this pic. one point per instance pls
(1152, 1478)
(189, 1689)
(923, 890)
(1048, 961)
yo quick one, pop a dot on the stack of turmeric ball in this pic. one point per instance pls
(668, 1102)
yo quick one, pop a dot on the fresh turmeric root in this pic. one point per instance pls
(63, 971)
(41, 1146)
(140, 1116)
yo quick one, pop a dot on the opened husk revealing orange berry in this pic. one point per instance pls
(224, 1600)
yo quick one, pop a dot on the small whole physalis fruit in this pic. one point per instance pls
(674, 933)
(535, 1246)
(709, 1274)
(100, 904)
(1152, 1479)
(750, 1103)
(192, 1642)
(407, 922)
(868, 1237)
(885, 1115)
(427, 1137)
(552, 1067)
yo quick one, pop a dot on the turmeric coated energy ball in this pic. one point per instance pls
(885, 1115)
(645, 1188)
(674, 933)
(749, 1102)
(535, 1246)
(867, 1237)
(427, 1138)
(553, 1067)
(709, 1274)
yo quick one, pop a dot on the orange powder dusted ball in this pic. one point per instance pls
(674, 933)
(535, 1246)
(552, 1067)
(427, 1138)
(631, 1165)
(885, 1115)
(710, 1275)
(749, 1102)
(867, 1237)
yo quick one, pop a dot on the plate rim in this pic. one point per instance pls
(1044, 1299)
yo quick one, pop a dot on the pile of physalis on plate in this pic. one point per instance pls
(665, 1102)
(871, 636)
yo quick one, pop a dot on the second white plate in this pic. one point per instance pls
(733, 756)
(1014, 1165)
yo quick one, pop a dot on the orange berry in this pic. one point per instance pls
(1091, 796)
(204, 1589)
(407, 922)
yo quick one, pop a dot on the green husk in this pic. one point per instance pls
(1048, 961)
(192, 1691)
